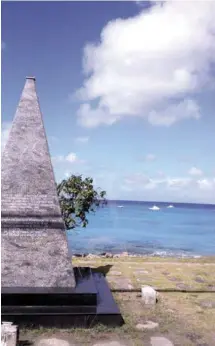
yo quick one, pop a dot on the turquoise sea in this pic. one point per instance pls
(181, 230)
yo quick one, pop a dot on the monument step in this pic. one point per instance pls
(85, 293)
(17, 310)
(48, 315)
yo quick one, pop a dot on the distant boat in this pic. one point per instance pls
(170, 206)
(120, 206)
(154, 208)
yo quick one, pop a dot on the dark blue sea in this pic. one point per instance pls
(182, 230)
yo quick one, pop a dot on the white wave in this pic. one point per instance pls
(178, 254)
(170, 206)
(154, 208)
(120, 206)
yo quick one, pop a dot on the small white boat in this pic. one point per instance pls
(170, 206)
(154, 208)
(120, 206)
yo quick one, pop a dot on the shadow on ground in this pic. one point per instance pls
(102, 269)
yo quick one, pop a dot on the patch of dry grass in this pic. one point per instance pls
(194, 274)
(184, 318)
(177, 314)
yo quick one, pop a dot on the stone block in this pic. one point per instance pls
(53, 342)
(160, 341)
(8, 334)
(149, 295)
(147, 326)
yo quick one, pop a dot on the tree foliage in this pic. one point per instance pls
(78, 197)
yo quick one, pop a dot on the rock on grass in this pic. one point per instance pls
(53, 342)
(147, 325)
(160, 341)
(207, 304)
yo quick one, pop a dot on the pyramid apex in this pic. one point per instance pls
(30, 77)
(28, 182)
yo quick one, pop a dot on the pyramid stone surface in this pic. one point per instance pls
(34, 244)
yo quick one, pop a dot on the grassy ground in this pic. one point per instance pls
(187, 319)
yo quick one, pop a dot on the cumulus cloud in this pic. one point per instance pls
(91, 117)
(150, 65)
(193, 190)
(189, 189)
(206, 184)
(173, 113)
(6, 126)
(67, 174)
(177, 183)
(194, 171)
(70, 158)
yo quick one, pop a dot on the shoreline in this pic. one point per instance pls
(127, 255)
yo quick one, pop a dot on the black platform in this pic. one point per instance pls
(90, 302)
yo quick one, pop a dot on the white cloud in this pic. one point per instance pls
(177, 183)
(82, 139)
(92, 117)
(181, 189)
(195, 172)
(206, 184)
(67, 174)
(150, 65)
(71, 158)
(6, 126)
(173, 113)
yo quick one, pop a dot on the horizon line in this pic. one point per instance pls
(154, 201)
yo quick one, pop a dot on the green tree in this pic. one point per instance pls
(78, 197)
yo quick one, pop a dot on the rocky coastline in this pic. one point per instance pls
(126, 254)
(104, 255)
(108, 255)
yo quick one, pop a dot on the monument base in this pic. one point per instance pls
(90, 302)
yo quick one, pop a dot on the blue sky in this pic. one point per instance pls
(126, 91)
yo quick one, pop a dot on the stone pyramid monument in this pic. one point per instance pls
(34, 244)
(39, 285)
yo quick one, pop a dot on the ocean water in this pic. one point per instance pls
(185, 230)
